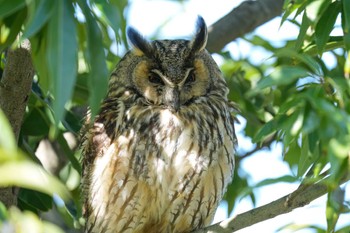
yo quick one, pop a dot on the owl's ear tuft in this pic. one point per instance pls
(199, 41)
(141, 45)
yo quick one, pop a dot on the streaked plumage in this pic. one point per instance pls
(160, 154)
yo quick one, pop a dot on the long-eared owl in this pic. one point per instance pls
(160, 154)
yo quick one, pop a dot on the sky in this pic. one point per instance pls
(179, 22)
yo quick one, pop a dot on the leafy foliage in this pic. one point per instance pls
(300, 100)
(294, 98)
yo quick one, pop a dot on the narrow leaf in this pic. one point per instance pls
(325, 25)
(39, 18)
(269, 128)
(306, 158)
(112, 15)
(308, 60)
(32, 176)
(98, 75)
(7, 138)
(68, 152)
(15, 28)
(62, 55)
(282, 75)
(305, 24)
(35, 199)
(346, 23)
(10, 6)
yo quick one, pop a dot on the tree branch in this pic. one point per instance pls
(242, 20)
(16, 83)
(299, 198)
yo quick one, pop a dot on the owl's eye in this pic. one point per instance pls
(191, 77)
(155, 78)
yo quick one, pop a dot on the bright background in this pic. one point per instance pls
(178, 21)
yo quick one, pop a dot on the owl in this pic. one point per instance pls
(160, 154)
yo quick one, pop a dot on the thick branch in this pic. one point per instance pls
(241, 20)
(15, 86)
(299, 198)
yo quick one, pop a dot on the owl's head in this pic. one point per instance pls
(169, 73)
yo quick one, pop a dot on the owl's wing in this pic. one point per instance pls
(96, 137)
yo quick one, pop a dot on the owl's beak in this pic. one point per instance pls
(172, 99)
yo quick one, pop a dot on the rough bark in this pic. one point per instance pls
(240, 21)
(15, 86)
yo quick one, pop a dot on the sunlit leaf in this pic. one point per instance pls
(268, 129)
(39, 49)
(305, 24)
(265, 182)
(27, 222)
(306, 157)
(282, 75)
(334, 206)
(339, 149)
(112, 14)
(315, 9)
(3, 212)
(7, 138)
(32, 176)
(62, 54)
(16, 26)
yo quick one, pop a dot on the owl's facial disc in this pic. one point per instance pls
(170, 93)
(171, 73)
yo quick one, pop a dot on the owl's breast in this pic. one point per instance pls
(169, 170)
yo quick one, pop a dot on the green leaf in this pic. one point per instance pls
(306, 59)
(282, 75)
(306, 158)
(35, 199)
(334, 207)
(268, 129)
(98, 75)
(111, 14)
(338, 155)
(10, 6)
(81, 90)
(284, 179)
(39, 18)
(292, 6)
(26, 221)
(315, 9)
(305, 24)
(325, 25)
(15, 28)
(292, 154)
(62, 55)
(7, 138)
(36, 123)
(3, 212)
(68, 152)
(311, 122)
(29, 175)
(346, 23)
